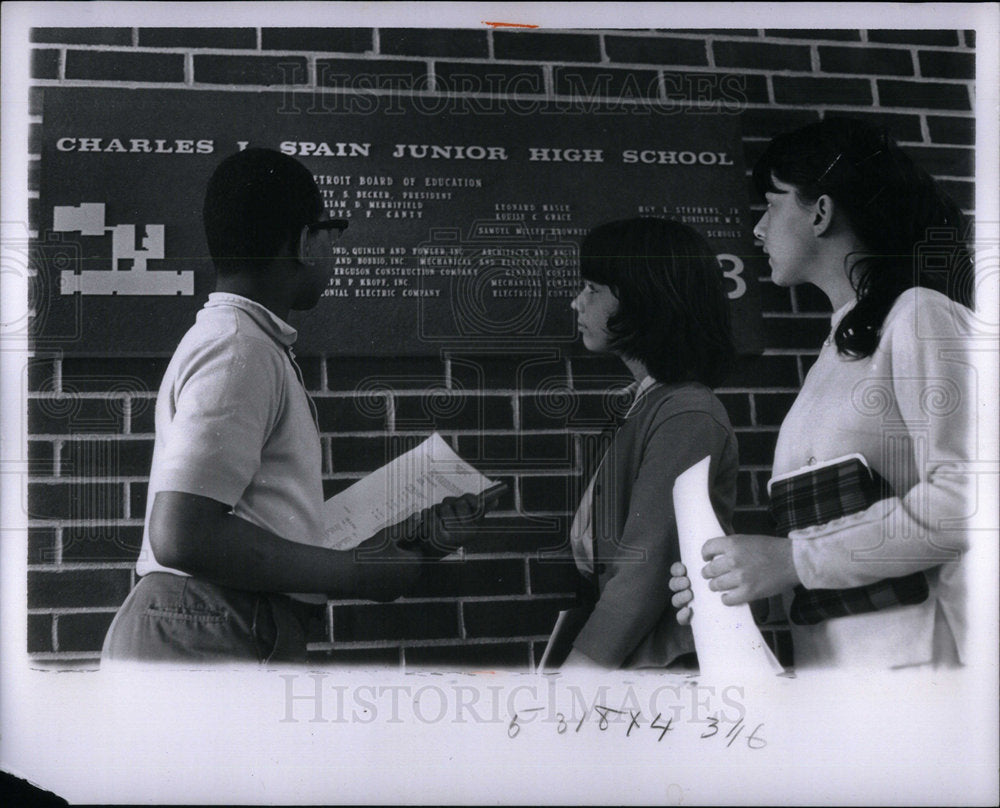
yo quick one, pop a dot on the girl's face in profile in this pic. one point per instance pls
(595, 304)
(786, 234)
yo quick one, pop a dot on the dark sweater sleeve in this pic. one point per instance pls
(636, 591)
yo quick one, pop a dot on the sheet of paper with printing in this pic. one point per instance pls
(725, 637)
(415, 480)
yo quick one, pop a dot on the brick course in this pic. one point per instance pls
(266, 70)
(952, 130)
(811, 91)
(491, 78)
(362, 74)
(214, 38)
(531, 46)
(441, 42)
(866, 60)
(758, 56)
(44, 64)
(124, 66)
(915, 37)
(82, 36)
(947, 65)
(514, 618)
(924, 94)
(655, 50)
(323, 40)
(804, 33)
(590, 83)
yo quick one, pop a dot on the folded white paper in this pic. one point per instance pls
(726, 638)
(415, 480)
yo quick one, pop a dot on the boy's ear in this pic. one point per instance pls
(823, 210)
(302, 250)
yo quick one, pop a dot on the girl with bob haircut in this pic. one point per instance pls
(652, 296)
(870, 475)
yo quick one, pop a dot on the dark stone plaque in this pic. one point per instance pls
(466, 213)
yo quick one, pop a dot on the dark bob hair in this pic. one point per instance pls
(257, 202)
(894, 207)
(673, 314)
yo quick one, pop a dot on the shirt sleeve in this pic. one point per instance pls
(636, 591)
(225, 406)
(932, 384)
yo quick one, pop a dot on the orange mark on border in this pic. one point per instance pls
(508, 24)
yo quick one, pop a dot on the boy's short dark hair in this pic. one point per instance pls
(673, 313)
(257, 201)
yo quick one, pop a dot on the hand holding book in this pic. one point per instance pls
(746, 568)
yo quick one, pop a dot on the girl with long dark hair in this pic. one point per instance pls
(869, 486)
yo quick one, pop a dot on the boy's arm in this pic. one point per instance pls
(199, 536)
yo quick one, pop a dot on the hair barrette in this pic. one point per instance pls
(875, 196)
(830, 167)
(875, 153)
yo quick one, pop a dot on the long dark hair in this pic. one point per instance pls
(913, 233)
(673, 313)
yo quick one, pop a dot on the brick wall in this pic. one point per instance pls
(524, 419)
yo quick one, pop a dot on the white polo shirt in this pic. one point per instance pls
(234, 423)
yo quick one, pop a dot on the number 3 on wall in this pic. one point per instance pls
(732, 268)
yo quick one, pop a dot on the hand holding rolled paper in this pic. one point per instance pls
(681, 587)
(726, 638)
(745, 568)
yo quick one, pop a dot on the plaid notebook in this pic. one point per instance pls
(819, 494)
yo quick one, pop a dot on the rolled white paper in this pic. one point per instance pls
(726, 638)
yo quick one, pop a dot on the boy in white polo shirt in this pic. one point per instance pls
(234, 516)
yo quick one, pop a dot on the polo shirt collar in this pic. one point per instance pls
(266, 320)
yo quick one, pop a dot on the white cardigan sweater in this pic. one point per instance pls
(909, 409)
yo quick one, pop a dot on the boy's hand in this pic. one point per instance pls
(454, 522)
(680, 585)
